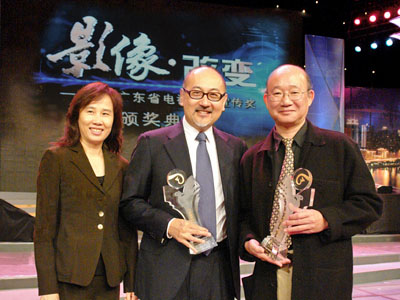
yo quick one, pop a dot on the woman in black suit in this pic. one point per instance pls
(83, 249)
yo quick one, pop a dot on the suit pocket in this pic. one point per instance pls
(151, 245)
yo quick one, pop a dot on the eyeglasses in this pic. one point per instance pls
(293, 95)
(198, 94)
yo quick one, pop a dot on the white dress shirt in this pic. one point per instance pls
(190, 135)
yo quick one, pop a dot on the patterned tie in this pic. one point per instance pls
(287, 168)
(204, 177)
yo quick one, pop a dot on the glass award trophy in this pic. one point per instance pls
(183, 195)
(292, 187)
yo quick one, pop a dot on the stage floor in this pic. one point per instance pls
(14, 265)
(372, 291)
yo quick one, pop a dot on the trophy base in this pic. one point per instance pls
(209, 243)
(273, 248)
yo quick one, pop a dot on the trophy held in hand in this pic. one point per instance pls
(183, 194)
(278, 242)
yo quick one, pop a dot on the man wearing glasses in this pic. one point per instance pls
(320, 260)
(169, 266)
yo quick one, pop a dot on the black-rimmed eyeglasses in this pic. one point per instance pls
(198, 95)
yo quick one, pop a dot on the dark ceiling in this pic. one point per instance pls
(334, 18)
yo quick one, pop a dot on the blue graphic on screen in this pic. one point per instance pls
(146, 57)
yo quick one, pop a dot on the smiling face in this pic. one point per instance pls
(96, 120)
(202, 114)
(286, 112)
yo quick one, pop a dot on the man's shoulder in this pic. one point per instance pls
(253, 150)
(227, 136)
(162, 132)
(329, 135)
(256, 147)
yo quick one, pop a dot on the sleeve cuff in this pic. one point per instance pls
(169, 223)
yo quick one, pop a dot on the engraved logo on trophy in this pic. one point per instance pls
(183, 195)
(275, 245)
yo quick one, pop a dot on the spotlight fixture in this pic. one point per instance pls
(372, 18)
(357, 49)
(357, 21)
(387, 15)
(389, 42)
(395, 21)
(374, 45)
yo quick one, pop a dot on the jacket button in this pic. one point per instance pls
(100, 227)
(101, 213)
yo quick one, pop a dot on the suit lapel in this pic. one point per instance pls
(112, 168)
(177, 149)
(225, 154)
(81, 162)
(225, 158)
(313, 138)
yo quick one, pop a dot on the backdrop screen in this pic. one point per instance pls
(50, 49)
(146, 55)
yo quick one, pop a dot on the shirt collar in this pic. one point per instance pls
(191, 132)
(298, 138)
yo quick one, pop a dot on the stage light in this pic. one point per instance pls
(357, 21)
(387, 15)
(357, 48)
(398, 11)
(389, 42)
(374, 45)
(372, 18)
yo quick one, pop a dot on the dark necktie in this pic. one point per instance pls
(287, 168)
(204, 177)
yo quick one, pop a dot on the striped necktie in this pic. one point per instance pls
(287, 168)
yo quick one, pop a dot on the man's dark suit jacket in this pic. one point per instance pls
(344, 194)
(163, 263)
(67, 239)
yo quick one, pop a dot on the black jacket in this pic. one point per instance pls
(346, 197)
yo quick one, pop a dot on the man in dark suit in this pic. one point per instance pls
(345, 200)
(166, 269)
